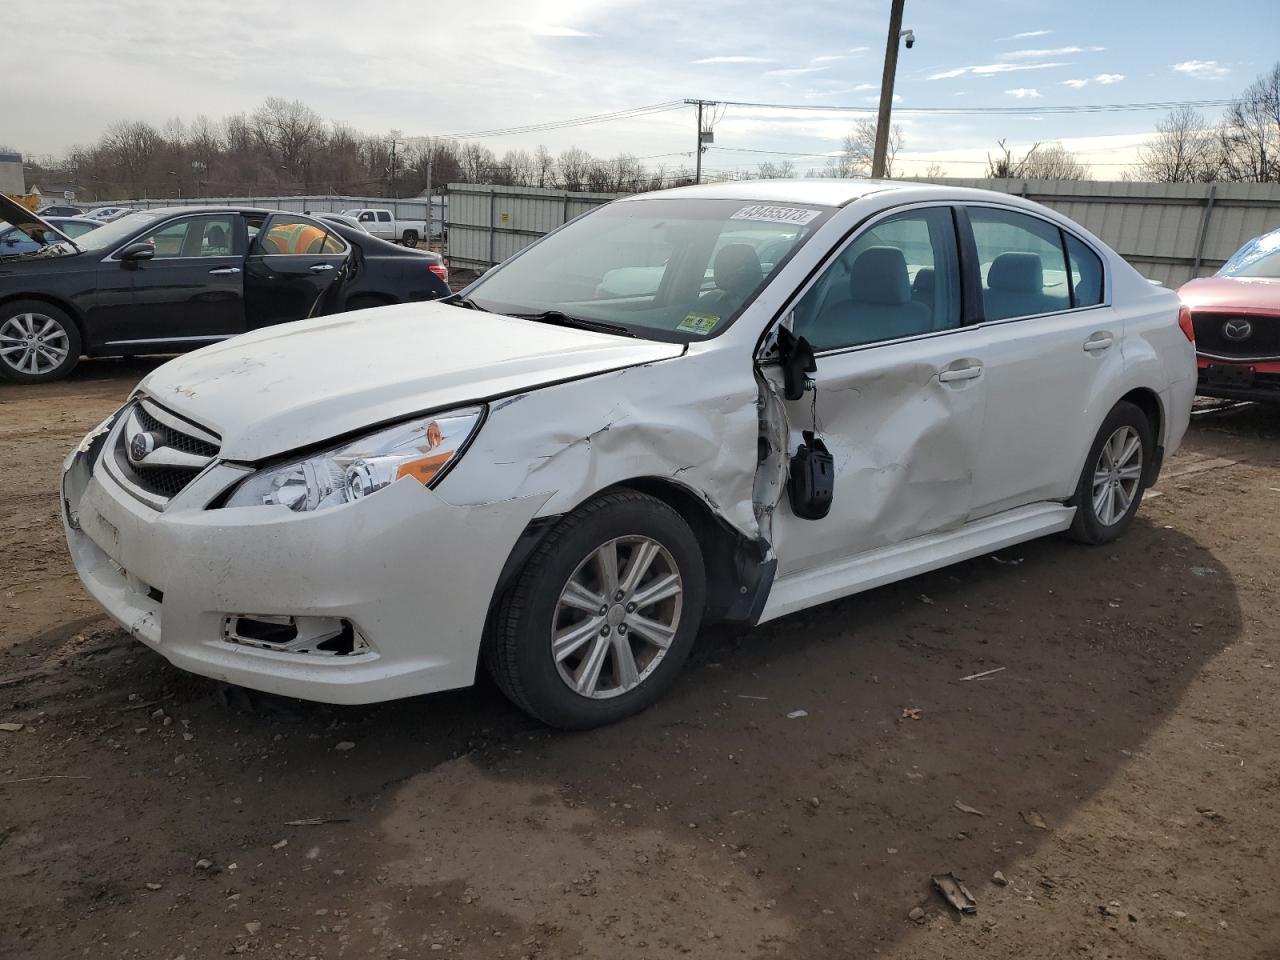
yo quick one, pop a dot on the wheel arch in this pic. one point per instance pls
(54, 301)
(1149, 402)
(739, 570)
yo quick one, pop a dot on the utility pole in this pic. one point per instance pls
(697, 176)
(393, 167)
(431, 205)
(886, 89)
(704, 138)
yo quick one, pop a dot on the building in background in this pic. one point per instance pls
(11, 178)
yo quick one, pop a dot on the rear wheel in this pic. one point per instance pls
(1114, 477)
(38, 342)
(601, 619)
(410, 238)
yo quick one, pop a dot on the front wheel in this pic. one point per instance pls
(38, 342)
(603, 615)
(1114, 477)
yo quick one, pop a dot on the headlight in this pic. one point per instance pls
(420, 448)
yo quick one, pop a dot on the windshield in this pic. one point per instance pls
(665, 269)
(1260, 257)
(111, 235)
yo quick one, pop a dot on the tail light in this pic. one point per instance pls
(1185, 324)
(440, 270)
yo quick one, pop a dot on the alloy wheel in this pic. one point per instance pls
(1117, 476)
(33, 343)
(616, 617)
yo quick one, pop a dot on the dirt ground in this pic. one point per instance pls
(1124, 762)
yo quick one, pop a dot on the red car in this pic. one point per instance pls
(1236, 314)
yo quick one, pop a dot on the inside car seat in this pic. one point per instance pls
(736, 271)
(876, 305)
(1015, 287)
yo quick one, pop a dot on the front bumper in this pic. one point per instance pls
(413, 573)
(1227, 379)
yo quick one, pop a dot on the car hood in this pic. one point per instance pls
(297, 384)
(1247, 294)
(29, 223)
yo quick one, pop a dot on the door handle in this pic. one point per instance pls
(953, 374)
(321, 267)
(1099, 341)
(223, 271)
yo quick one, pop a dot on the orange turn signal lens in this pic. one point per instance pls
(424, 469)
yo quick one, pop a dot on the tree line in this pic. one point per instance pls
(286, 147)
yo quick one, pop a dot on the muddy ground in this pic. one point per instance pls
(1125, 762)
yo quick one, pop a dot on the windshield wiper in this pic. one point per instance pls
(562, 319)
(454, 300)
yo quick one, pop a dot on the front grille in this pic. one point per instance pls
(157, 454)
(1261, 335)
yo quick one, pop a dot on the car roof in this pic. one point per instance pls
(832, 192)
(175, 211)
(823, 191)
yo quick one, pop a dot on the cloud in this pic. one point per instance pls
(1202, 69)
(1075, 84)
(794, 71)
(867, 86)
(990, 69)
(735, 59)
(1027, 35)
(1105, 78)
(558, 31)
(1023, 93)
(1055, 52)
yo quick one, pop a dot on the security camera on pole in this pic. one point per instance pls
(896, 33)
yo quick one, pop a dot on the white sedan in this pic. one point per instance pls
(714, 403)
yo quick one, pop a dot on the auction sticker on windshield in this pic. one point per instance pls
(699, 323)
(771, 214)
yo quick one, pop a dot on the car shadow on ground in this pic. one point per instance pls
(723, 812)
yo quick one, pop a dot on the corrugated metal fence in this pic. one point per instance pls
(1170, 232)
(488, 224)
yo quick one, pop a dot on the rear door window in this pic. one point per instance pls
(384, 217)
(1086, 272)
(293, 235)
(1024, 270)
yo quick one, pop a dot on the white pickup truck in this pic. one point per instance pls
(383, 223)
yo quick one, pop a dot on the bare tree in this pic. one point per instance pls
(935, 171)
(1184, 149)
(290, 130)
(857, 149)
(769, 170)
(1250, 132)
(133, 146)
(1042, 162)
(574, 168)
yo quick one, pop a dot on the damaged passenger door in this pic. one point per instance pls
(897, 395)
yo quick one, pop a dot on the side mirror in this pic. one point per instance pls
(797, 360)
(137, 252)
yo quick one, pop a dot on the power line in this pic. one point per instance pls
(627, 114)
(992, 111)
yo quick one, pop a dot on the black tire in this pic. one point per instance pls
(1087, 526)
(63, 334)
(518, 650)
(410, 238)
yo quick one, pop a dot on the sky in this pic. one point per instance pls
(427, 69)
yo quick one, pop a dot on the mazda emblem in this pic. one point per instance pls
(1237, 329)
(141, 445)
